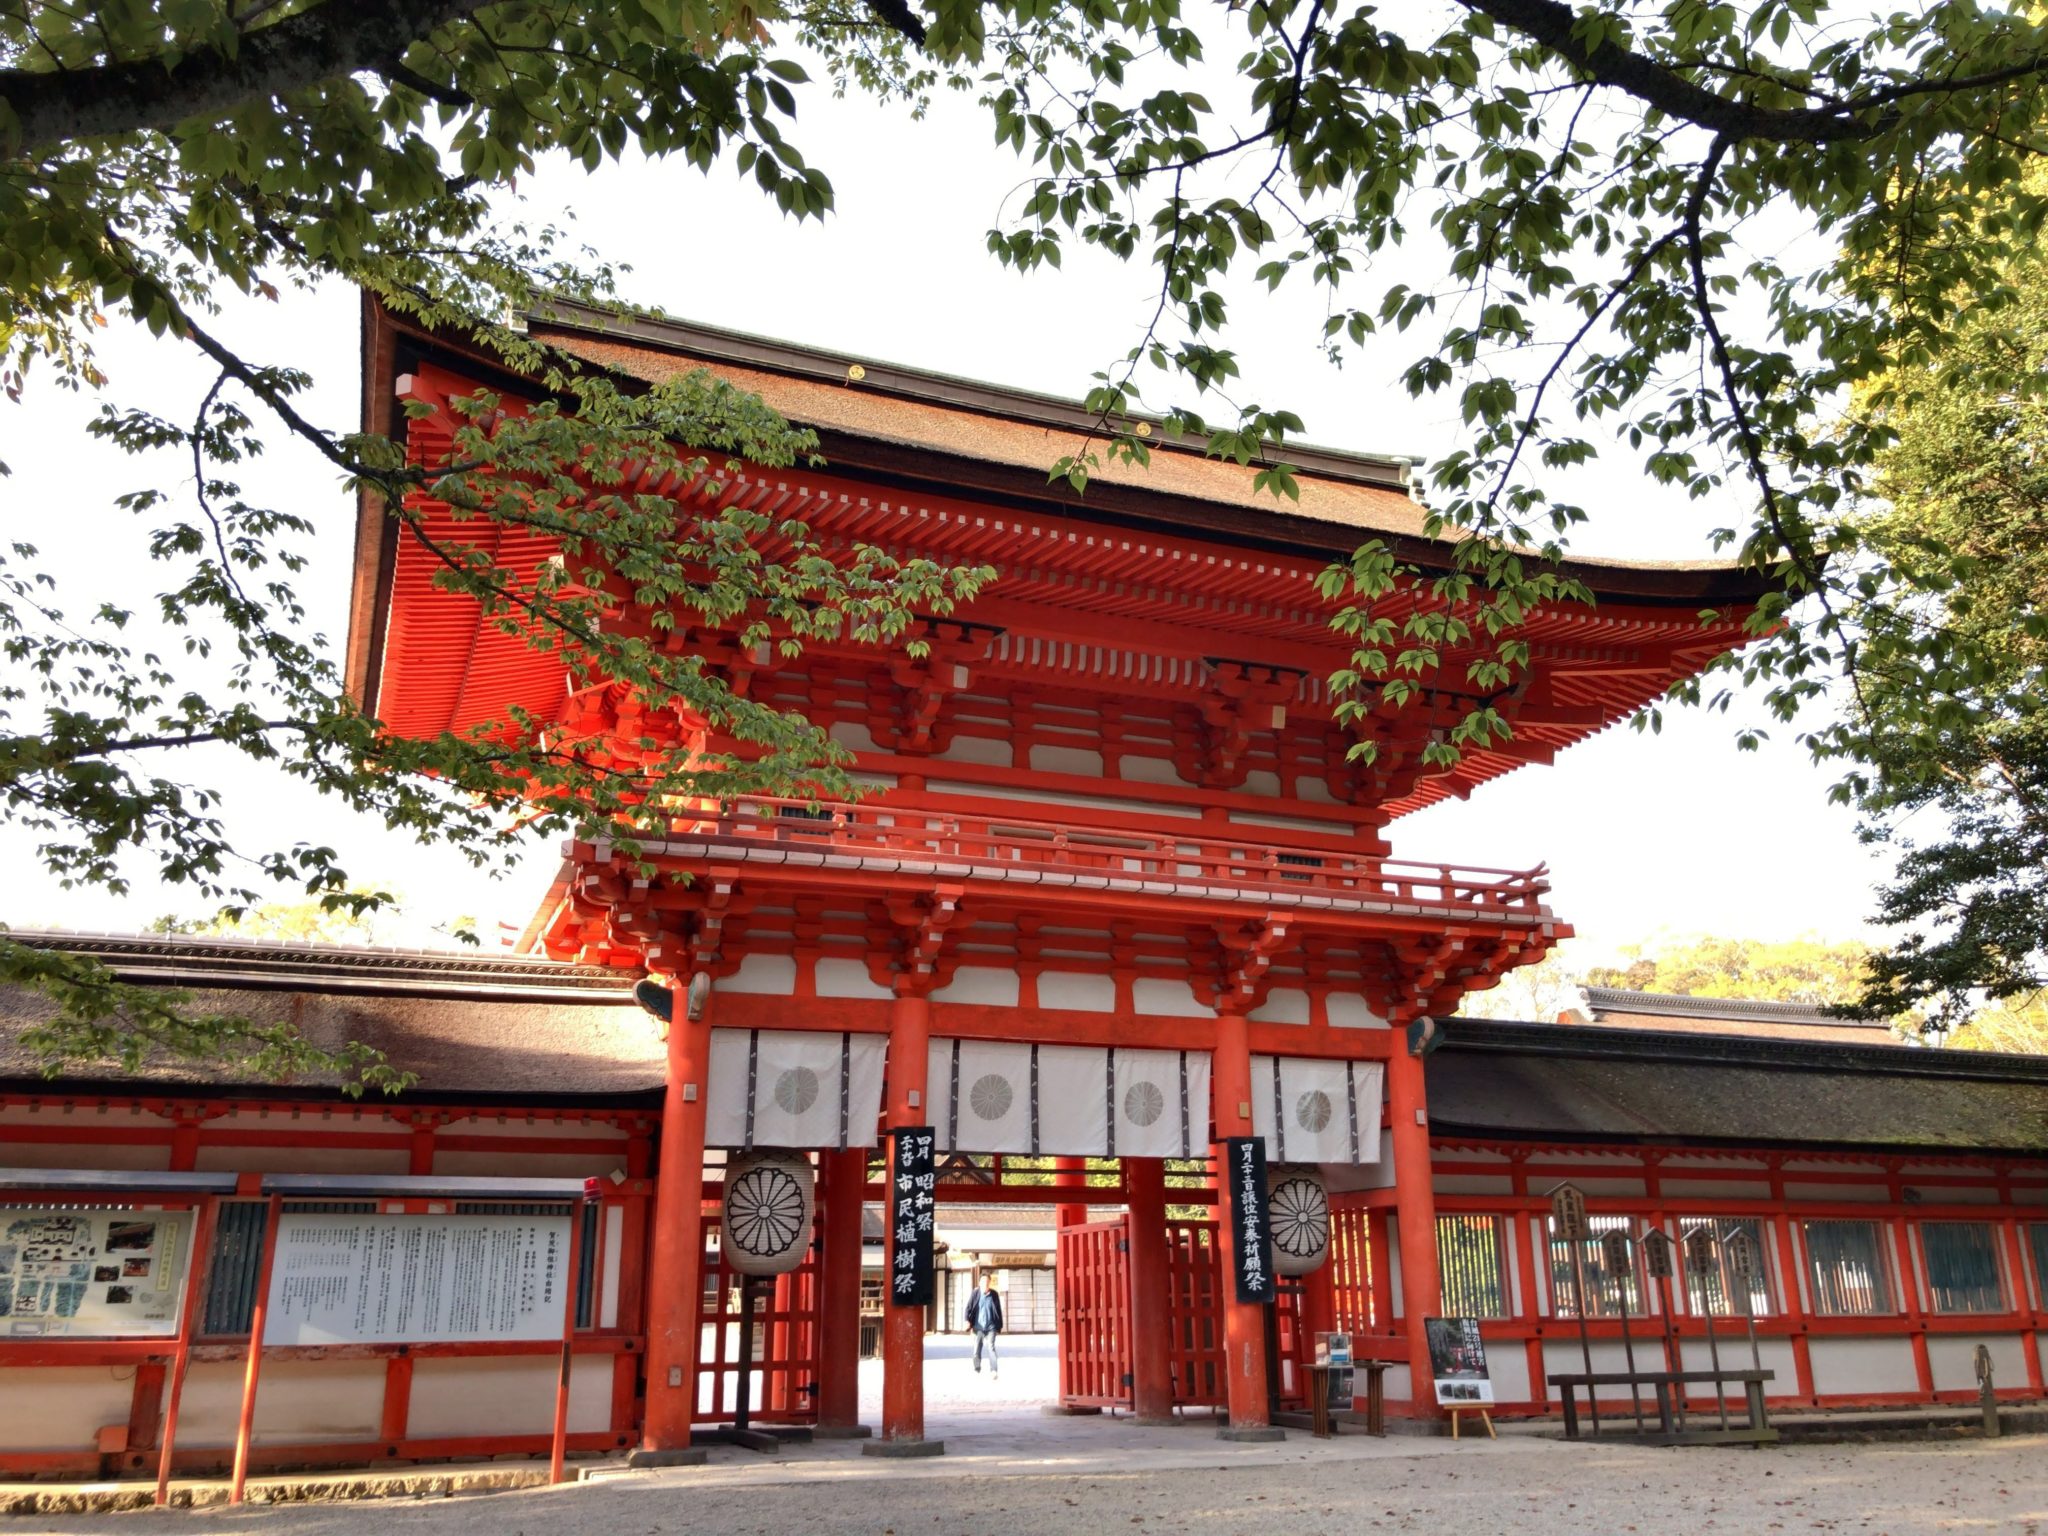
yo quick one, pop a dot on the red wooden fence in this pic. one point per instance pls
(784, 1377)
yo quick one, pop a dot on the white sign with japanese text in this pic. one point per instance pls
(376, 1279)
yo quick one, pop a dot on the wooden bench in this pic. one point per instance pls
(1757, 1431)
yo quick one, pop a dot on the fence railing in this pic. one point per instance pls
(1205, 858)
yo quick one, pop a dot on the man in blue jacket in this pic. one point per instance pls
(985, 1317)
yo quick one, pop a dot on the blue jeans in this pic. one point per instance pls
(989, 1339)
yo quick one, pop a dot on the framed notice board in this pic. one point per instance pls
(1457, 1361)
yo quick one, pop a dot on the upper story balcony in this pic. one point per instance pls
(882, 847)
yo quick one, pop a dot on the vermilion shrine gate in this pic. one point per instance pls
(1118, 829)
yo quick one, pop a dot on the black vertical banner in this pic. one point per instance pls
(1251, 1228)
(914, 1204)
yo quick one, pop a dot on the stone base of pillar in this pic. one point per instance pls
(687, 1456)
(1153, 1421)
(904, 1448)
(1251, 1432)
(840, 1431)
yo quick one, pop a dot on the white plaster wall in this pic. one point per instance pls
(1740, 1189)
(1311, 787)
(1292, 823)
(62, 1408)
(1046, 758)
(1953, 1358)
(1862, 1366)
(1610, 1186)
(1776, 1355)
(529, 1165)
(536, 1129)
(1046, 798)
(1261, 781)
(1562, 1353)
(1474, 1184)
(297, 1401)
(854, 734)
(1150, 770)
(847, 978)
(1873, 1193)
(993, 751)
(1079, 990)
(1347, 1010)
(1507, 1362)
(463, 1397)
(980, 984)
(1169, 997)
(302, 1160)
(80, 1154)
(774, 975)
(1283, 1005)
(1396, 1386)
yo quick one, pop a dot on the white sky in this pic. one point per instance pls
(1678, 832)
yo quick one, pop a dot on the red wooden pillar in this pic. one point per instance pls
(1151, 1291)
(1244, 1323)
(845, 1185)
(1070, 1173)
(910, 1023)
(1415, 1213)
(675, 1276)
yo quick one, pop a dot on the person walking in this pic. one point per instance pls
(985, 1317)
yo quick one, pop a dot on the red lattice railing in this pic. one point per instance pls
(1160, 861)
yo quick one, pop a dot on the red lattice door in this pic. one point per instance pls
(1092, 1281)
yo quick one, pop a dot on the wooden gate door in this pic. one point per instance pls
(1092, 1280)
(782, 1384)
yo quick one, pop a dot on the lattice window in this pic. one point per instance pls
(1471, 1258)
(1963, 1271)
(1719, 1290)
(1606, 1290)
(1846, 1264)
(2037, 1243)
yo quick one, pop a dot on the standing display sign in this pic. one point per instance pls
(1251, 1224)
(1457, 1359)
(398, 1279)
(916, 1209)
(91, 1272)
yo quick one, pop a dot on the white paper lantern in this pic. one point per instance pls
(764, 1222)
(1299, 1207)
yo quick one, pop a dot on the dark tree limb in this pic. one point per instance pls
(1855, 118)
(900, 18)
(53, 107)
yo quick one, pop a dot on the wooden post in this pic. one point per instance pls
(675, 1271)
(845, 1187)
(1151, 1354)
(1244, 1322)
(200, 1263)
(910, 1017)
(245, 1426)
(558, 1449)
(1415, 1215)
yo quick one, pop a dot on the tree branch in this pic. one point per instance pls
(900, 18)
(1861, 117)
(52, 107)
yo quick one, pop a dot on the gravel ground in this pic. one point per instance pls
(1534, 1485)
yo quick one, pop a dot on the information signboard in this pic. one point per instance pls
(401, 1279)
(1457, 1359)
(1251, 1234)
(92, 1272)
(915, 1214)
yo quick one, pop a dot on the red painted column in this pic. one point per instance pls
(1244, 1323)
(910, 1027)
(1415, 1213)
(675, 1278)
(1151, 1356)
(845, 1176)
(1070, 1173)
